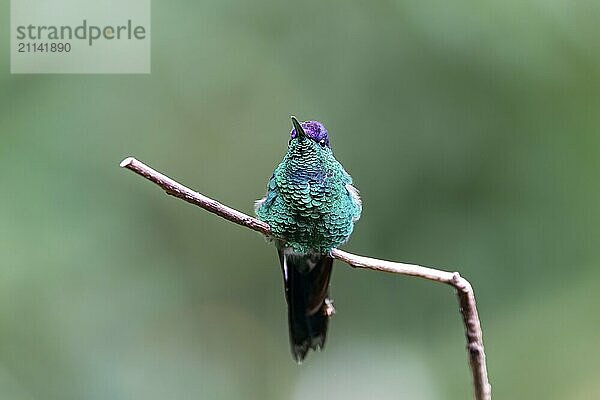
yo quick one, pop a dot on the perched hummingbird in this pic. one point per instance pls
(311, 207)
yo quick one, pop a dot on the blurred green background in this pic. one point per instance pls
(471, 129)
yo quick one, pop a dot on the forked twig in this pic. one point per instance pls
(465, 294)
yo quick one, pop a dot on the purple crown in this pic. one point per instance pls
(314, 130)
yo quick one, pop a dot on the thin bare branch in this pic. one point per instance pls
(465, 294)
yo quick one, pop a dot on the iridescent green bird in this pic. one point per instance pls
(311, 207)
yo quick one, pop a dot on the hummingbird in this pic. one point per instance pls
(311, 207)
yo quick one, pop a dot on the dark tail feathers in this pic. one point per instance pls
(306, 279)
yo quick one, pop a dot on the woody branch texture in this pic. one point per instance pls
(464, 290)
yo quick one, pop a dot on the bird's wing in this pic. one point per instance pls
(355, 200)
(353, 194)
(272, 192)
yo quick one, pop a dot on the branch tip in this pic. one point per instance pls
(126, 162)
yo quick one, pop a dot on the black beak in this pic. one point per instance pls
(299, 131)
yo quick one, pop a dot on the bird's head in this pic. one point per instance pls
(309, 137)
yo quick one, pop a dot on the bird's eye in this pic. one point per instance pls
(322, 142)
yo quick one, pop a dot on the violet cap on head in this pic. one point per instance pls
(312, 129)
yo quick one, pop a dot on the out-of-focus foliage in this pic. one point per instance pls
(471, 128)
